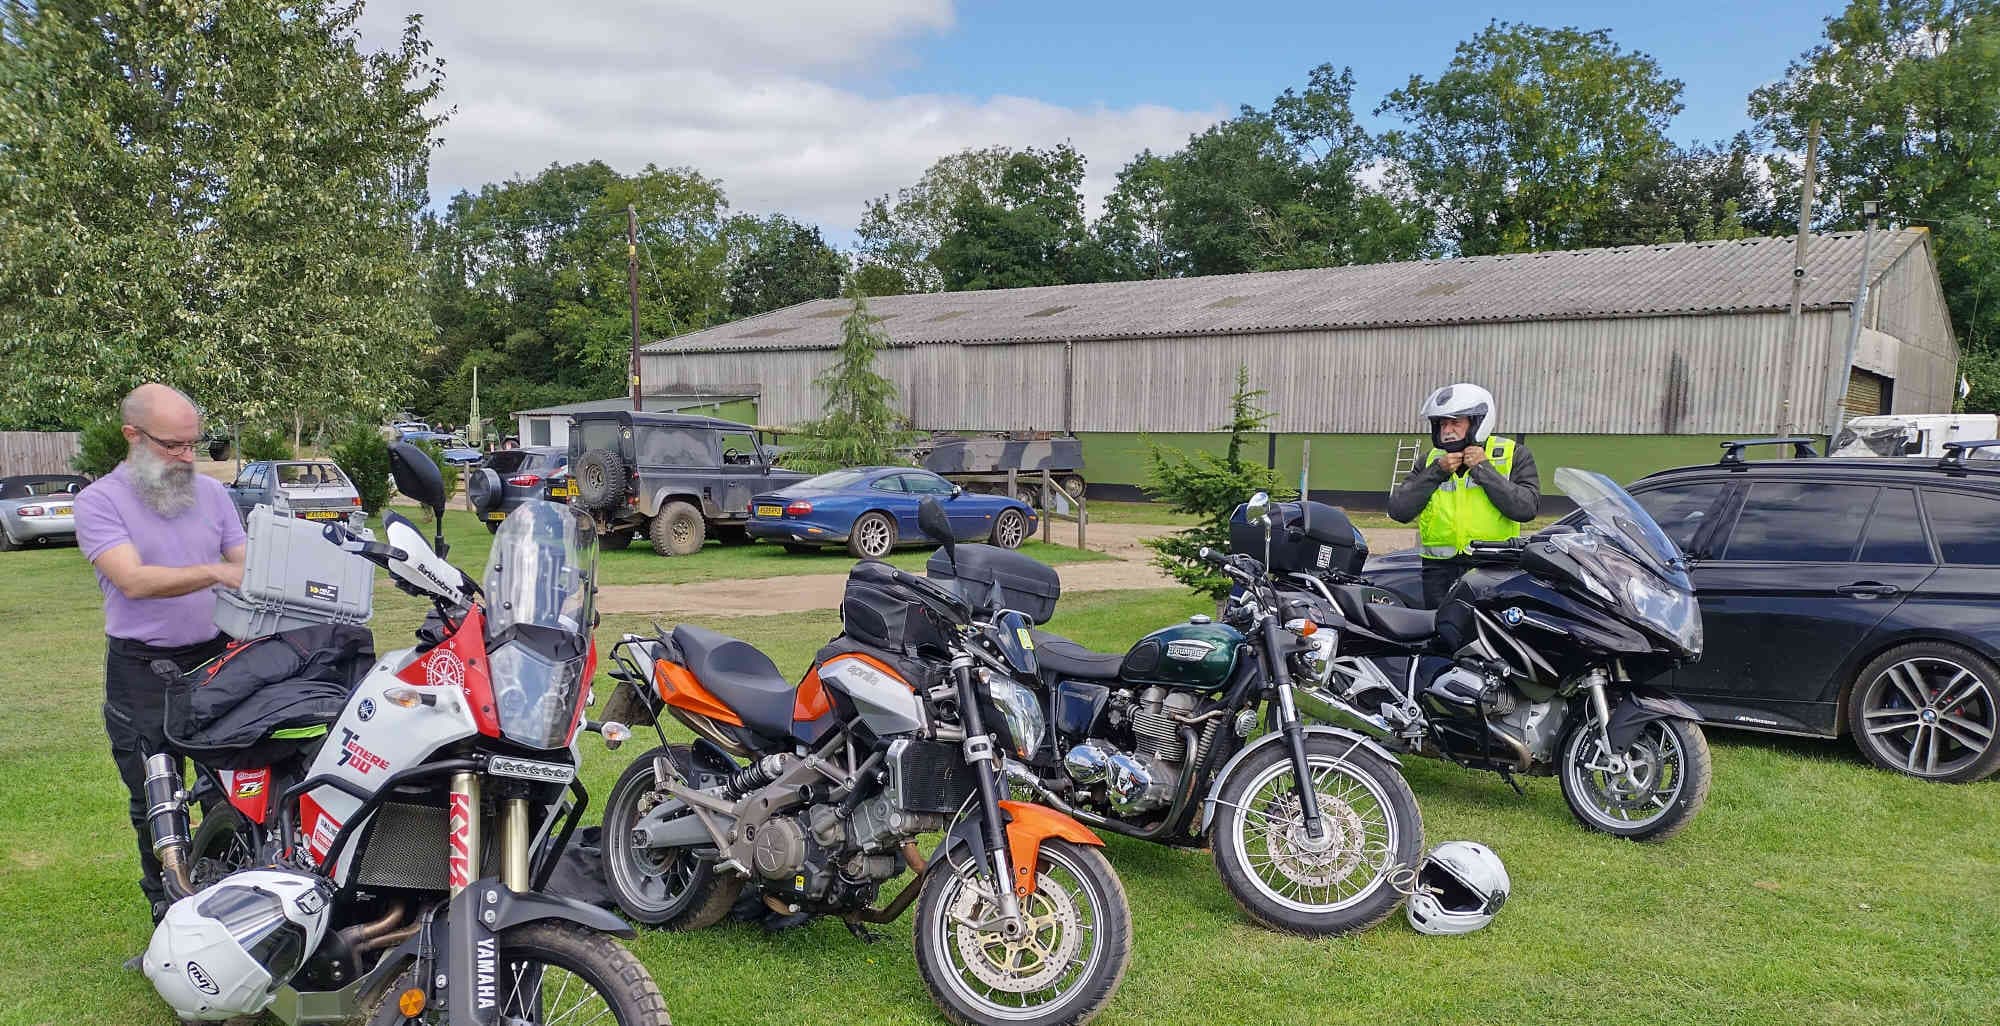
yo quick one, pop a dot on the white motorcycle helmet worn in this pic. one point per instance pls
(224, 951)
(1460, 887)
(1461, 400)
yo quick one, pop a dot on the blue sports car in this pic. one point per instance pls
(874, 509)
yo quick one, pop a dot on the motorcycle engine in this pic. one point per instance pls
(1145, 778)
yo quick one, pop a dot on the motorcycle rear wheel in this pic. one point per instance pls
(1063, 972)
(552, 957)
(1287, 880)
(665, 887)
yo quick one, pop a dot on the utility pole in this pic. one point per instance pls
(1785, 376)
(1837, 377)
(473, 433)
(632, 292)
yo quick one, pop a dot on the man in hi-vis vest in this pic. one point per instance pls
(1476, 486)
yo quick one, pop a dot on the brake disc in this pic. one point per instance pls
(1304, 860)
(1033, 963)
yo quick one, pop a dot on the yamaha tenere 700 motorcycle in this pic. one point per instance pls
(1155, 744)
(815, 796)
(1530, 665)
(442, 798)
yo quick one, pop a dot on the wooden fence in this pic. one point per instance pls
(37, 452)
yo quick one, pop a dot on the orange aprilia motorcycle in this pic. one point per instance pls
(815, 795)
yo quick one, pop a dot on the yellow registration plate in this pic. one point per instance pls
(60, 511)
(496, 516)
(321, 514)
(568, 490)
(770, 511)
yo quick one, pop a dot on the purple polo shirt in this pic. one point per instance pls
(109, 513)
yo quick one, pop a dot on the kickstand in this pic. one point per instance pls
(1511, 782)
(862, 932)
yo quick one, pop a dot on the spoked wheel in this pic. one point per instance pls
(223, 844)
(667, 887)
(1648, 792)
(1928, 710)
(554, 972)
(1062, 969)
(1338, 882)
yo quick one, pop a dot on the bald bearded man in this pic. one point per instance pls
(161, 537)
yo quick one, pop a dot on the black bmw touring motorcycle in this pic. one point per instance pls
(1532, 664)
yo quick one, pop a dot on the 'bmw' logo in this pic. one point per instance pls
(1513, 616)
(366, 710)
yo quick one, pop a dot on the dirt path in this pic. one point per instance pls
(800, 593)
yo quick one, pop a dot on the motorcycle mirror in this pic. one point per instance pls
(937, 527)
(417, 477)
(1258, 509)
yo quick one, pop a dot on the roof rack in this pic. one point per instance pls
(1954, 452)
(1802, 447)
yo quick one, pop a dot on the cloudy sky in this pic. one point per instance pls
(813, 107)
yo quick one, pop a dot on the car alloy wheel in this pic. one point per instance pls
(1929, 716)
(874, 536)
(1010, 529)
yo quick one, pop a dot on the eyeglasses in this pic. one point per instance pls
(169, 447)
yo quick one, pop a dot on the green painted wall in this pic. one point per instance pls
(1361, 463)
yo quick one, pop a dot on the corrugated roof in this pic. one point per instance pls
(652, 403)
(1626, 281)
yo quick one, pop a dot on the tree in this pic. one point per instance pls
(859, 425)
(1692, 194)
(1907, 93)
(1210, 487)
(1265, 190)
(900, 235)
(218, 195)
(363, 455)
(1525, 140)
(1029, 230)
(777, 262)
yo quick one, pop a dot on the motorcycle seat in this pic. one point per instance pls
(743, 678)
(1066, 658)
(1399, 622)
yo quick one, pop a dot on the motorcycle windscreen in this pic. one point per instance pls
(538, 587)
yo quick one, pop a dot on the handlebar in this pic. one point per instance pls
(1242, 568)
(1510, 546)
(379, 553)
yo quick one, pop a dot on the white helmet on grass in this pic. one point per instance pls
(1466, 400)
(224, 951)
(1460, 887)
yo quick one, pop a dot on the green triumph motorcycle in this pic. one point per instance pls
(1192, 737)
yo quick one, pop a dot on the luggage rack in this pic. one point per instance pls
(1955, 452)
(1802, 447)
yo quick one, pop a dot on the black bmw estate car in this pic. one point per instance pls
(1840, 598)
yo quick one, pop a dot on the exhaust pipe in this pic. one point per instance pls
(1317, 704)
(167, 821)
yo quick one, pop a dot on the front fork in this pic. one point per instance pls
(979, 756)
(1294, 730)
(471, 982)
(1596, 683)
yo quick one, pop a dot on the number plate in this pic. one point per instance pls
(568, 490)
(322, 514)
(60, 511)
(770, 511)
(496, 515)
(530, 769)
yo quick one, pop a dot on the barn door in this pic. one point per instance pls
(1867, 393)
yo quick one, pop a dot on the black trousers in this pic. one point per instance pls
(1439, 576)
(135, 709)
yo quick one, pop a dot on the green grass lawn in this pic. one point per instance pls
(1105, 511)
(1811, 890)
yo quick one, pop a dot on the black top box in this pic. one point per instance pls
(990, 579)
(1306, 538)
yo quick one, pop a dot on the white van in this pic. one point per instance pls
(1915, 434)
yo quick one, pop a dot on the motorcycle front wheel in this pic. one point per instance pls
(667, 887)
(1648, 792)
(1340, 882)
(552, 972)
(1061, 971)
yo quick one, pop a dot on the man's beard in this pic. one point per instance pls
(165, 486)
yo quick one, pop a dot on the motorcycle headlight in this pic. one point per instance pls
(1671, 611)
(1023, 712)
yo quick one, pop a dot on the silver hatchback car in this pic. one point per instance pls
(38, 508)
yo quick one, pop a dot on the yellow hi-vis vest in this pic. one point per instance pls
(1459, 512)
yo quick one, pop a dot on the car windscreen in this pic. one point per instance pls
(833, 480)
(506, 461)
(310, 474)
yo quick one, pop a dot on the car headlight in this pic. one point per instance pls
(1018, 705)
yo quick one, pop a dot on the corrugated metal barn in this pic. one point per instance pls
(1622, 359)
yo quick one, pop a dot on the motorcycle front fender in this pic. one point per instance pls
(1277, 737)
(1640, 705)
(472, 947)
(1028, 826)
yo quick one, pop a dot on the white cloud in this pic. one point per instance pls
(758, 93)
